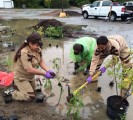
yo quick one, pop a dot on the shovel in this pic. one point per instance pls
(70, 95)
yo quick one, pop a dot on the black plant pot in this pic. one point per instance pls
(116, 107)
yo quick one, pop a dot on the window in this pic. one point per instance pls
(96, 4)
(106, 3)
(130, 4)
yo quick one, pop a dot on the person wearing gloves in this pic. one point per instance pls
(27, 59)
(81, 53)
(111, 45)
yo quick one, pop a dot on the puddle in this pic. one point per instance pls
(95, 102)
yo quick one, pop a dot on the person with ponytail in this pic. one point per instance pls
(26, 61)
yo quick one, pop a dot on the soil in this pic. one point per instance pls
(47, 23)
(70, 31)
(28, 110)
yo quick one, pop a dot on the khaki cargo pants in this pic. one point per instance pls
(24, 90)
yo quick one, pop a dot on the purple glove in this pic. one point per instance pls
(89, 79)
(52, 73)
(103, 69)
(47, 75)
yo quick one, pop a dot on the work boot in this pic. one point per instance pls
(8, 95)
(9, 91)
(111, 84)
(86, 72)
(13, 117)
(99, 89)
(2, 118)
(75, 72)
(76, 66)
(40, 97)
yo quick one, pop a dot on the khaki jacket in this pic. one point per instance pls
(27, 59)
(114, 47)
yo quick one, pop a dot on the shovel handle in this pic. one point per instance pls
(81, 87)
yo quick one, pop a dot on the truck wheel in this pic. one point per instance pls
(123, 18)
(96, 17)
(85, 15)
(113, 17)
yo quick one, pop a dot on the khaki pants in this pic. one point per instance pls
(25, 90)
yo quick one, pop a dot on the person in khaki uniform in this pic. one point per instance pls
(27, 59)
(110, 45)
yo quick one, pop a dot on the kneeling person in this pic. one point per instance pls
(27, 59)
(81, 53)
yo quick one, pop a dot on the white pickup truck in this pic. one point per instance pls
(104, 9)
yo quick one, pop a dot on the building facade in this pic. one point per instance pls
(6, 4)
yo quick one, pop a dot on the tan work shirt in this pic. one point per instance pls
(28, 59)
(114, 47)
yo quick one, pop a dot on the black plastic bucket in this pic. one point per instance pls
(116, 107)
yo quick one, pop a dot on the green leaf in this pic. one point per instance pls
(69, 112)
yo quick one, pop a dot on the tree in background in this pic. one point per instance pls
(121, 1)
(47, 3)
(54, 3)
(58, 4)
(79, 3)
(27, 3)
(41, 3)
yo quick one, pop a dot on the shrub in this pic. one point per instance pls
(55, 32)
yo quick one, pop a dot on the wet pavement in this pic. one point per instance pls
(99, 26)
(95, 102)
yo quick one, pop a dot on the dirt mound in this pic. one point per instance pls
(47, 23)
(72, 13)
(69, 31)
(57, 12)
(53, 13)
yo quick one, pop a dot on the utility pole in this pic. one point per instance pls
(62, 5)
(62, 13)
